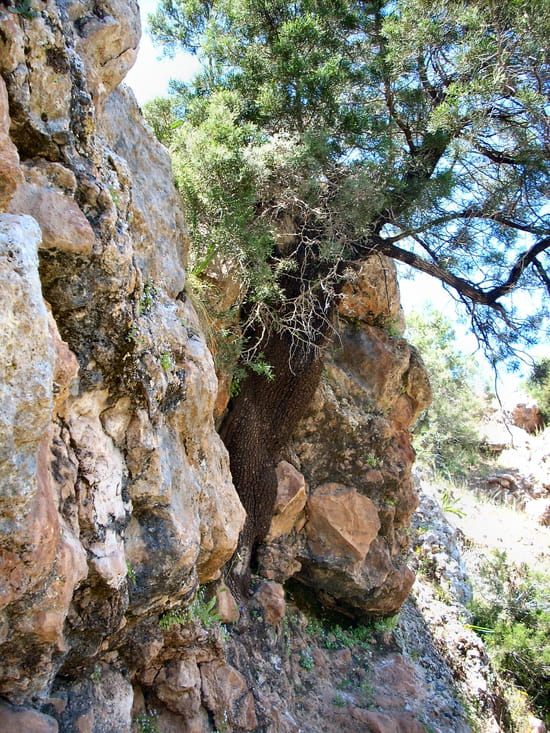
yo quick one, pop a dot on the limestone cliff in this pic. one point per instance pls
(116, 499)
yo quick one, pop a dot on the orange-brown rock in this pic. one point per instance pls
(178, 685)
(271, 597)
(11, 174)
(357, 434)
(65, 368)
(226, 605)
(61, 221)
(290, 502)
(342, 523)
(371, 294)
(227, 695)
(15, 719)
(528, 416)
(107, 43)
(376, 722)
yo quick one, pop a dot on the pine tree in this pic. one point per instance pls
(319, 133)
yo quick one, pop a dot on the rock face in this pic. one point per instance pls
(116, 499)
(354, 451)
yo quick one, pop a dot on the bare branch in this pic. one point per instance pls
(464, 287)
(542, 274)
(522, 263)
(471, 212)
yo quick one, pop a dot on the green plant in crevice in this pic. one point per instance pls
(150, 293)
(205, 610)
(130, 572)
(387, 623)
(96, 674)
(373, 461)
(201, 609)
(172, 617)
(167, 361)
(335, 636)
(23, 8)
(147, 722)
(306, 659)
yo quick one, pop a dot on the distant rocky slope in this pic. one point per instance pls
(116, 498)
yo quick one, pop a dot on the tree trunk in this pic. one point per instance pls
(260, 421)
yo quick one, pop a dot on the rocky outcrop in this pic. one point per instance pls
(354, 451)
(116, 497)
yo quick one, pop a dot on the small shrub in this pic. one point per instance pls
(306, 660)
(147, 722)
(23, 8)
(148, 296)
(131, 574)
(174, 617)
(512, 613)
(373, 461)
(166, 361)
(205, 611)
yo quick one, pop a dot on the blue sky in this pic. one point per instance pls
(149, 78)
(151, 73)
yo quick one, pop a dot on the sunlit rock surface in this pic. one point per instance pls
(116, 497)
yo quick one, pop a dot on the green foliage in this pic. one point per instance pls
(538, 386)
(512, 613)
(200, 608)
(162, 114)
(318, 133)
(373, 461)
(130, 572)
(306, 660)
(172, 617)
(445, 436)
(23, 8)
(258, 365)
(166, 361)
(147, 722)
(335, 636)
(205, 610)
(450, 504)
(150, 293)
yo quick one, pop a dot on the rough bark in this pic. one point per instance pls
(258, 425)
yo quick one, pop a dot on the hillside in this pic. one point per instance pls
(121, 522)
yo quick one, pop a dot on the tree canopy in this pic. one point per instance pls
(319, 133)
(446, 435)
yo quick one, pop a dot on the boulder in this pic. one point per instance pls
(271, 597)
(341, 524)
(226, 694)
(290, 502)
(24, 720)
(178, 685)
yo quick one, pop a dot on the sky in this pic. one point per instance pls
(149, 78)
(151, 73)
